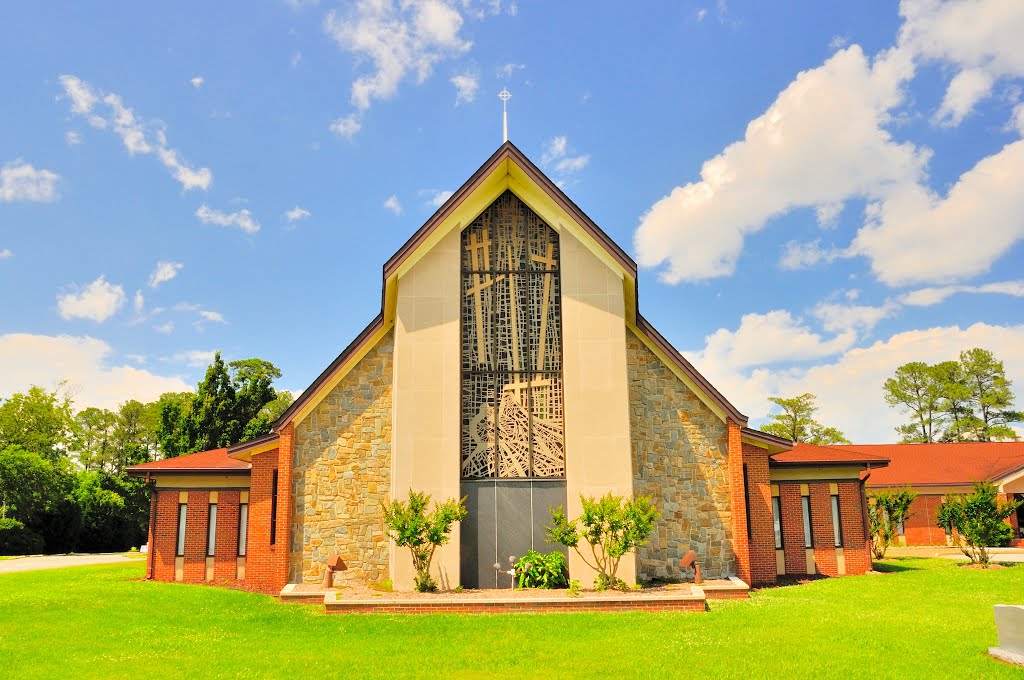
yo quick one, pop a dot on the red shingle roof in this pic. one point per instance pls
(944, 464)
(216, 460)
(809, 454)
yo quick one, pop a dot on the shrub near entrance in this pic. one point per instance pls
(411, 526)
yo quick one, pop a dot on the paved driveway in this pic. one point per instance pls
(58, 561)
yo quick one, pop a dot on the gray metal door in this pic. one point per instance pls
(506, 517)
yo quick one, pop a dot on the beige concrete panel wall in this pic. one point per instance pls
(597, 439)
(426, 396)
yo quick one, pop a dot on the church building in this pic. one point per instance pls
(510, 365)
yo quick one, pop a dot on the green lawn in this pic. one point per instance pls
(927, 618)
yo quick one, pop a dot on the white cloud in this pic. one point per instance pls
(981, 38)
(138, 302)
(509, 70)
(1017, 120)
(164, 328)
(804, 255)
(849, 387)
(20, 181)
(165, 271)
(98, 301)
(72, 138)
(82, 361)
(556, 155)
(839, 318)
(771, 338)
(197, 82)
(466, 85)
(299, 4)
(397, 39)
(820, 142)
(5, 253)
(196, 358)
(215, 317)
(89, 102)
(916, 235)
(701, 13)
(926, 297)
(346, 126)
(296, 214)
(296, 59)
(242, 219)
(436, 197)
(393, 205)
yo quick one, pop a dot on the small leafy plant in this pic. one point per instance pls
(537, 570)
(574, 589)
(976, 521)
(889, 509)
(411, 526)
(611, 526)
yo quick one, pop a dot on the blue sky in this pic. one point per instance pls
(815, 194)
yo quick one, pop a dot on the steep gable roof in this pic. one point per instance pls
(508, 168)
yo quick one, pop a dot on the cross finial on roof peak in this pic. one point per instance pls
(504, 95)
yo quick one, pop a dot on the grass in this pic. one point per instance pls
(923, 618)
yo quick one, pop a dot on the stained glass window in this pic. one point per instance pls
(511, 345)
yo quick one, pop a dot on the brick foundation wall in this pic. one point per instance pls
(165, 535)
(342, 474)
(759, 508)
(681, 459)
(571, 605)
(921, 527)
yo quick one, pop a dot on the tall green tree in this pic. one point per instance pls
(990, 394)
(94, 441)
(917, 389)
(796, 422)
(38, 421)
(965, 400)
(229, 406)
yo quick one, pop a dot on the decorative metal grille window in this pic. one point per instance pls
(511, 345)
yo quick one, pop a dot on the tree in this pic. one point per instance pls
(134, 434)
(797, 424)
(411, 526)
(917, 388)
(27, 485)
(955, 401)
(889, 509)
(38, 421)
(976, 521)
(990, 394)
(227, 408)
(610, 526)
(94, 440)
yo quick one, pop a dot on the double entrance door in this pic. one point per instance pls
(507, 517)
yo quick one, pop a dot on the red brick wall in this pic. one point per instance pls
(759, 508)
(741, 544)
(195, 536)
(225, 560)
(165, 534)
(856, 551)
(922, 527)
(260, 568)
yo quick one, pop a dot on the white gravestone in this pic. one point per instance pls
(1010, 629)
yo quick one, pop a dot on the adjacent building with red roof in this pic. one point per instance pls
(937, 470)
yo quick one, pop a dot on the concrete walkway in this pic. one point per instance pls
(58, 561)
(1005, 557)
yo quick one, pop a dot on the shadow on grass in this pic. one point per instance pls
(893, 565)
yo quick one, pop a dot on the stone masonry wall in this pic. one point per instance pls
(680, 458)
(342, 473)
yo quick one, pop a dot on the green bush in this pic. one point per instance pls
(537, 570)
(411, 526)
(976, 521)
(15, 539)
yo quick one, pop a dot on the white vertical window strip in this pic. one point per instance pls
(808, 542)
(211, 536)
(777, 520)
(243, 528)
(837, 527)
(180, 551)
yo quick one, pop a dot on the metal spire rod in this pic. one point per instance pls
(504, 95)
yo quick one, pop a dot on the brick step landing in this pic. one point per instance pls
(692, 599)
(730, 588)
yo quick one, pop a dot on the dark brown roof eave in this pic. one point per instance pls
(153, 472)
(870, 464)
(251, 443)
(767, 438)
